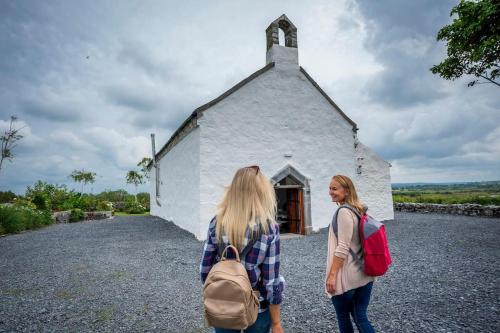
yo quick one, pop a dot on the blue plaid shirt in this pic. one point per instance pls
(262, 261)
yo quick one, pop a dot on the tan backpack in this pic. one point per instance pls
(228, 297)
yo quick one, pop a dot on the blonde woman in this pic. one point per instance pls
(346, 283)
(249, 205)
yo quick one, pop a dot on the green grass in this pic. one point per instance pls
(127, 214)
(481, 193)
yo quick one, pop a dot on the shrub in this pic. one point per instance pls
(143, 199)
(41, 201)
(113, 196)
(55, 195)
(18, 218)
(76, 215)
(21, 202)
(104, 206)
(134, 208)
(7, 196)
(120, 206)
(11, 220)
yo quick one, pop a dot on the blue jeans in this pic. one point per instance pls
(354, 302)
(261, 325)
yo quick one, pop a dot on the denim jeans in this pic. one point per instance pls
(261, 325)
(353, 302)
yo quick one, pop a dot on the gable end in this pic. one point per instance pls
(354, 126)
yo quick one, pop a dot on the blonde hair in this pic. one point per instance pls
(351, 197)
(249, 199)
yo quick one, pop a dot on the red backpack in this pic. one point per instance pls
(376, 258)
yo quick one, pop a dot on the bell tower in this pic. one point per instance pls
(282, 54)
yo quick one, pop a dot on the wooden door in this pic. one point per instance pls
(292, 210)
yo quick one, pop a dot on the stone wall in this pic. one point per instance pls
(97, 215)
(459, 209)
(63, 217)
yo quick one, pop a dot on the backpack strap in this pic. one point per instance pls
(256, 234)
(335, 228)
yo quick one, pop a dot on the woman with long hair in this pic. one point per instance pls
(248, 208)
(346, 283)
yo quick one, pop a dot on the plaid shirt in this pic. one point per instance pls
(262, 261)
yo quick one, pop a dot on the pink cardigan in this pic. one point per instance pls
(350, 275)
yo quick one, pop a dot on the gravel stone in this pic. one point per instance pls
(140, 274)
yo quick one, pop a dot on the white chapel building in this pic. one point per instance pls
(277, 118)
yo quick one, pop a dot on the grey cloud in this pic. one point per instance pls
(150, 68)
(51, 111)
(132, 98)
(396, 19)
(399, 88)
(402, 37)
(139, 55)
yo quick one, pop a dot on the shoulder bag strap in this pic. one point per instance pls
(335, 227)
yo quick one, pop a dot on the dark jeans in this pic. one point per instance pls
(261, 325)
(353, 302)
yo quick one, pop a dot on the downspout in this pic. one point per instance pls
(157, 173)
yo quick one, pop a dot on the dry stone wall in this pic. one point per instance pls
(458, 209)
(64, 216)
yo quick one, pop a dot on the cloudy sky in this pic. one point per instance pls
(90, 80)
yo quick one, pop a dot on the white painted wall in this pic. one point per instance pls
(180, 184)
(280, 112)
(374, 184)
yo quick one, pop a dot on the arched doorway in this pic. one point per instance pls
(293, 201)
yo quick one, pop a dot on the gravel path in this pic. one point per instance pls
(140, 274)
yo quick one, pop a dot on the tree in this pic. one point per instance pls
(82, 176)
(143, 164)
(9, 141)
(133, 177)
(473, 41)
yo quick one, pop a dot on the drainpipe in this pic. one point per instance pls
(157, 172)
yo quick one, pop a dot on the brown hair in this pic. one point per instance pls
(351, 197)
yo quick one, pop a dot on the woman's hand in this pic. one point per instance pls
(330, 283)
(277, 328)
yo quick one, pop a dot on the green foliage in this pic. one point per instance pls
(82, 176)
(485, 193)
(143, 199)
(48, 196)
(41, 202)
(143, 164)
(8, 141)
(113, 196)
(104, 206)
(88, 203)
(473, 41)
(7, 196)
(133, 207)
(76, 215)
(135, 178)
(21, 202)
(15, 219)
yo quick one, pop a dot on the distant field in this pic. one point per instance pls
(482, 193)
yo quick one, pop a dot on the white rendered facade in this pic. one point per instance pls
(275, 119)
